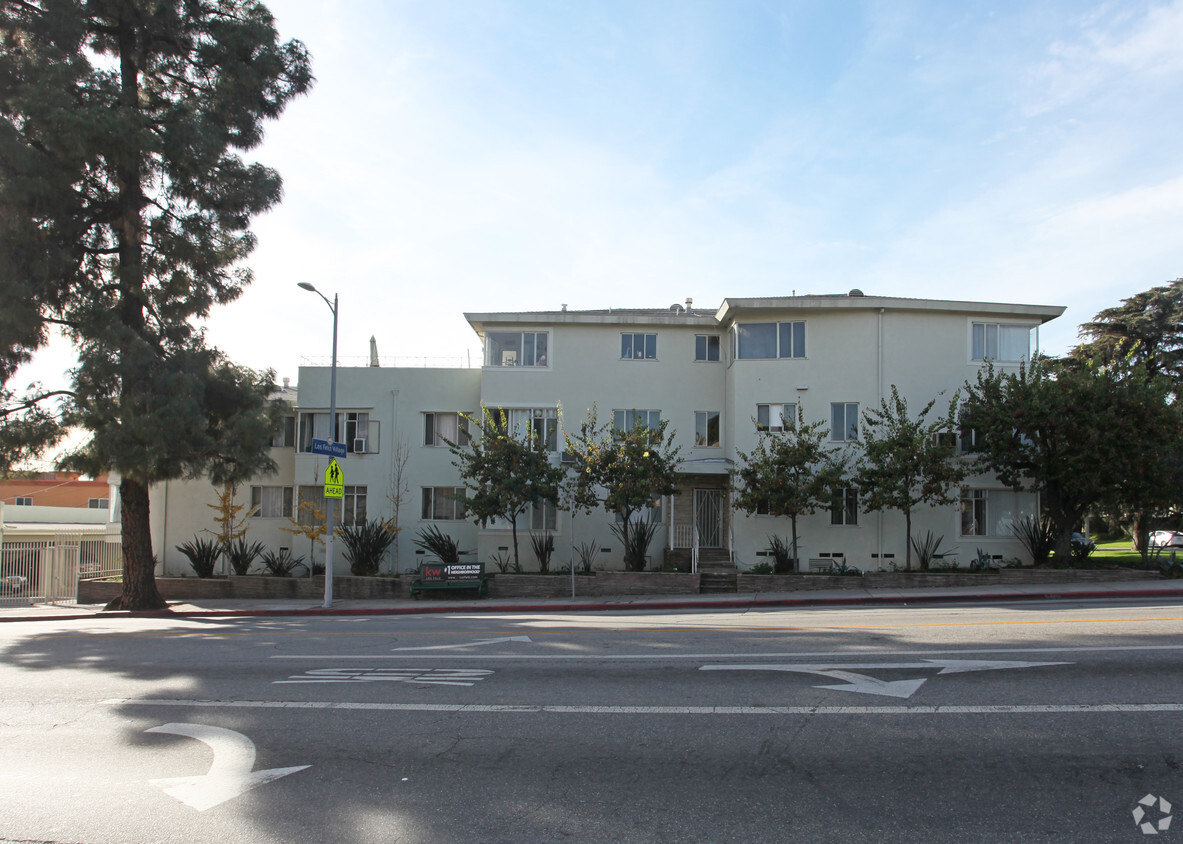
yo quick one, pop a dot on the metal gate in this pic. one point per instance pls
(708, 517)
(47, 571)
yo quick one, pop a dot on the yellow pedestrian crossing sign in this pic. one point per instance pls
(334, 481)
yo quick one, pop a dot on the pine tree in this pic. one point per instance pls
(124, 218)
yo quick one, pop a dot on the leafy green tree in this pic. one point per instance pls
(1079, 435)
(791, 472)
(124, 218)
(505, 472)
(623, 471)
(908, 461)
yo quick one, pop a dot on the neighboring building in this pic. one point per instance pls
(56, 489)
(719, 377)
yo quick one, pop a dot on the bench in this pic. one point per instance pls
(821, 565)
(451, 576)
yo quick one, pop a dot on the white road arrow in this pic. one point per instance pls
(863, 684)
(229, 774)
(467, 644)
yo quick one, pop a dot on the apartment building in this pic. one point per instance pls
(719, 376)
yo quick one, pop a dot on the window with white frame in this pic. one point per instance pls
(844, 421)
(441, 428)
(1000, 341)
(98, 503)
(351, 509)
(844, 507)
(776, 417)
(285, 437)
(994, 512)
(544, 516)
(354, 428)
(540, 424)
(768, 340)
(516, 348)
(443, 503)
(706, 428)
(706, 347)
(624, 421)
(651, 513)
(638, 347)
(24, 501)
(271, 502)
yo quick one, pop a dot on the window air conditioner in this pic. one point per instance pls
(359, 445)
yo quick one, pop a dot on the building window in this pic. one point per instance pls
(998, 341)
(706, 347)
(776, 417)
(538, 423)
(353, 428)
(651, 513)
(624, 421)
(285, 437)
(706, 428)
(24, 501)
(271, 502)
(98, 503)
(844, 507)
(766, 340)
(440, 505)
(638, 347)
(844, 421)
(351, 511)
(516, 348)
(544, 516)
(994, 512)
(441, 428)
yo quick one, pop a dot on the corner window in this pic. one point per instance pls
(638, 347)
(706, 428)
(844, 507)
(768, 340)
(285, 437)
(441, 428)
(776, 417)
(516, 348)
(706, 347)
(271, 502)
(844, 421)
(443, 503)
(1001, 342)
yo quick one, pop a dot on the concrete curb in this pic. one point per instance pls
(630, 605)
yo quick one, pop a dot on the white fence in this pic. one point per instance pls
(48, 571)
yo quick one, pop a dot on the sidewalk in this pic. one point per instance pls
(1142, 589)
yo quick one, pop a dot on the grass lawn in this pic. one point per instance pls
(1119, 553)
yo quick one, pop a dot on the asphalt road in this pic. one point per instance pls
(1029, 722)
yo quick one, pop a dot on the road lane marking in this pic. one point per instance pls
(466, 644)
(229, 774)
(430, 676)
(865, 684)
(475, 708)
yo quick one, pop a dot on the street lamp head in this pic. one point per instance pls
(306, 286)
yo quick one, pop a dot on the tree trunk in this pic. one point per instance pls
(796, 556)
(908, 543)
(139, 569)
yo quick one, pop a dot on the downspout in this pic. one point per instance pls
(393, 465)
(879, 387)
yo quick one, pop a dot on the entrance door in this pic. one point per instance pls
(708, 517)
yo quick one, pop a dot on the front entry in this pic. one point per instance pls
(708, 517)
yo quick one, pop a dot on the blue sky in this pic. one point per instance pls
(521, 155)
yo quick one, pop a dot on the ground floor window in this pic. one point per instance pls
(994, 512)
(271, 502)
(350, 510)
(543, 516)
(439, 503)
(844, 507)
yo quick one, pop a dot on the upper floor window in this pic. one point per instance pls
(638, 347)
(625, 420)
(538, 423)
(776, 417)
(844, 421)
(441, 428)
(765, 340)
(998, 341)
(516, 348)
(24, 501)
(271, 502)
(706, 346)
(285, 437)
(443, 503)
(706, 428)
(98, 503)
(354, 428)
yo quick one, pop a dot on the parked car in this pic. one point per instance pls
(1166, 539)
(1082, 545)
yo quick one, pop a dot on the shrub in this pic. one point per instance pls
(242, 554)
(1036, 536)
(844, 569)
(928, 549)
(783, 555)
(544, 549)
(203, 554)
(636, 542)
(366, 544)
(503, 561)
(434, 541)
(761, 568)
(281, 563)
(981, 561)
(586, 554)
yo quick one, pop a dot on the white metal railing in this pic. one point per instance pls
(48, 571)
(694, 553)
(681, 536)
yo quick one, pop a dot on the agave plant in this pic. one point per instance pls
(586, 554)
(365, 545)
(544, 549)
(242, 554)
(928, 549)
(1037, 537)
(784, 558)
(281, 563)
(434, 541)
(203, 554)
(636, 542)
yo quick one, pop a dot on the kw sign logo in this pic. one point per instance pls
(334, 481)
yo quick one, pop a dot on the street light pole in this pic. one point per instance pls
(330, 503)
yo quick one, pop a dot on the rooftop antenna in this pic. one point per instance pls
(373, 351)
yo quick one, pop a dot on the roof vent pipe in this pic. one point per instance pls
(689, 303)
